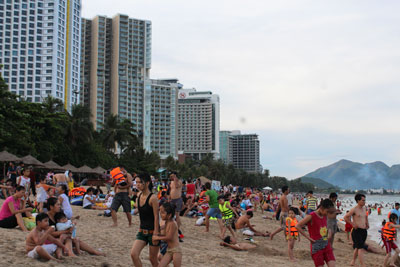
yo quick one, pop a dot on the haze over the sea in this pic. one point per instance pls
(317, 80)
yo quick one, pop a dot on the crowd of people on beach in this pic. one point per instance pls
(161, 202)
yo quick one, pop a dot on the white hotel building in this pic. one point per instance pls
(40, 48)
(198, 123)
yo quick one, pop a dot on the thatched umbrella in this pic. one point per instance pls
(204, 180)
(70, 167)
(53, 166)
(99, 170)
(31, 161)
(85, 169)
(6, 156)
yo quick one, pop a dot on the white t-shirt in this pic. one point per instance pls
(290, 199)
(66, 207)
(86, 201)
(25, 182)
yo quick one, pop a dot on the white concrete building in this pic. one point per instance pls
(198, 123)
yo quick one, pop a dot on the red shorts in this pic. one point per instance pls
(323, 255)
(389, 245)
(348, 227)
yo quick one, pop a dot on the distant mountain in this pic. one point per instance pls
(353, 175)
(319, 183)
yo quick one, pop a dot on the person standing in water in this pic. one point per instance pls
(147, 206)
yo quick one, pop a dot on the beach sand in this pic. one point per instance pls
(199, 248)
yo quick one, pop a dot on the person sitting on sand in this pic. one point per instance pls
(244, 226)
(89, 202)
(231, 243)
(40, 244)
(53, 207)
(173, 253)
(316, 221)
(13, 210)
(42, 195)
(64, 224)
(6, 189)
(291, 232)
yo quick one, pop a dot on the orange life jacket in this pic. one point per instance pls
(389, 234)
(293, 229)
(117, 175)
(160, 193)
(202, 196)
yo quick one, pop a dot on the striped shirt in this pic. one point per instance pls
(312, 203)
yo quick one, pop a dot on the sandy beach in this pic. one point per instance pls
(199, 248)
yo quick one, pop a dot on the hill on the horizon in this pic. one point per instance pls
(347, 174)
(319, 183)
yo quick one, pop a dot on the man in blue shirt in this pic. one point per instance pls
(396, 211)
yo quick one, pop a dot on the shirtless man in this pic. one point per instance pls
(332, 221)
(360, 226)
(176, 196)
(61, 178)
(284, 206)
(244, 226)
(121, 197)
(40, 243)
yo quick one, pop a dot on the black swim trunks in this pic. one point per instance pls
(121, 198)
(359, 237)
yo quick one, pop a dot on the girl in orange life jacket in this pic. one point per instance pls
(389, 235)
(291, 232)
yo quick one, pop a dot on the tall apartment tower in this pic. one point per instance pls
(161, 117)
(198, 123)
(225, 146)
(115, 62)
(245, 151)
(40, 48)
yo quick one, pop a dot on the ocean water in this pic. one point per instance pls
(375, 220)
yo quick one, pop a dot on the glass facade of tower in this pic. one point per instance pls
(40, 48)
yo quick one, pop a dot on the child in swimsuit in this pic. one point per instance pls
(174, 253)
(291, 232)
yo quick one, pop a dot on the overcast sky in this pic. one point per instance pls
(317, 80)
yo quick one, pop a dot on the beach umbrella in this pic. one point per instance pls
(31, 161)
(6, 156)
(70, 167)
(267, 188)
(204, 180)
(99, 170)
(85, 169)
(53, 166)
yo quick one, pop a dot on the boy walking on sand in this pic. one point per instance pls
(316, 221)
(360, 226)
(40, 244)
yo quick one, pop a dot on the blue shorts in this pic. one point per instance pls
(214, 212)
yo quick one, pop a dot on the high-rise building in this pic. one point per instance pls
(198, 123)
(160, 119)
(115, 62)
(245, 151)
(225, 149)
(40, 48)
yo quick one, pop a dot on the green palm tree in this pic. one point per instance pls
(116, 132)
(53, 105)
(80, 128)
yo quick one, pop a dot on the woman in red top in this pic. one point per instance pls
(190, 190)
(321, 250)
